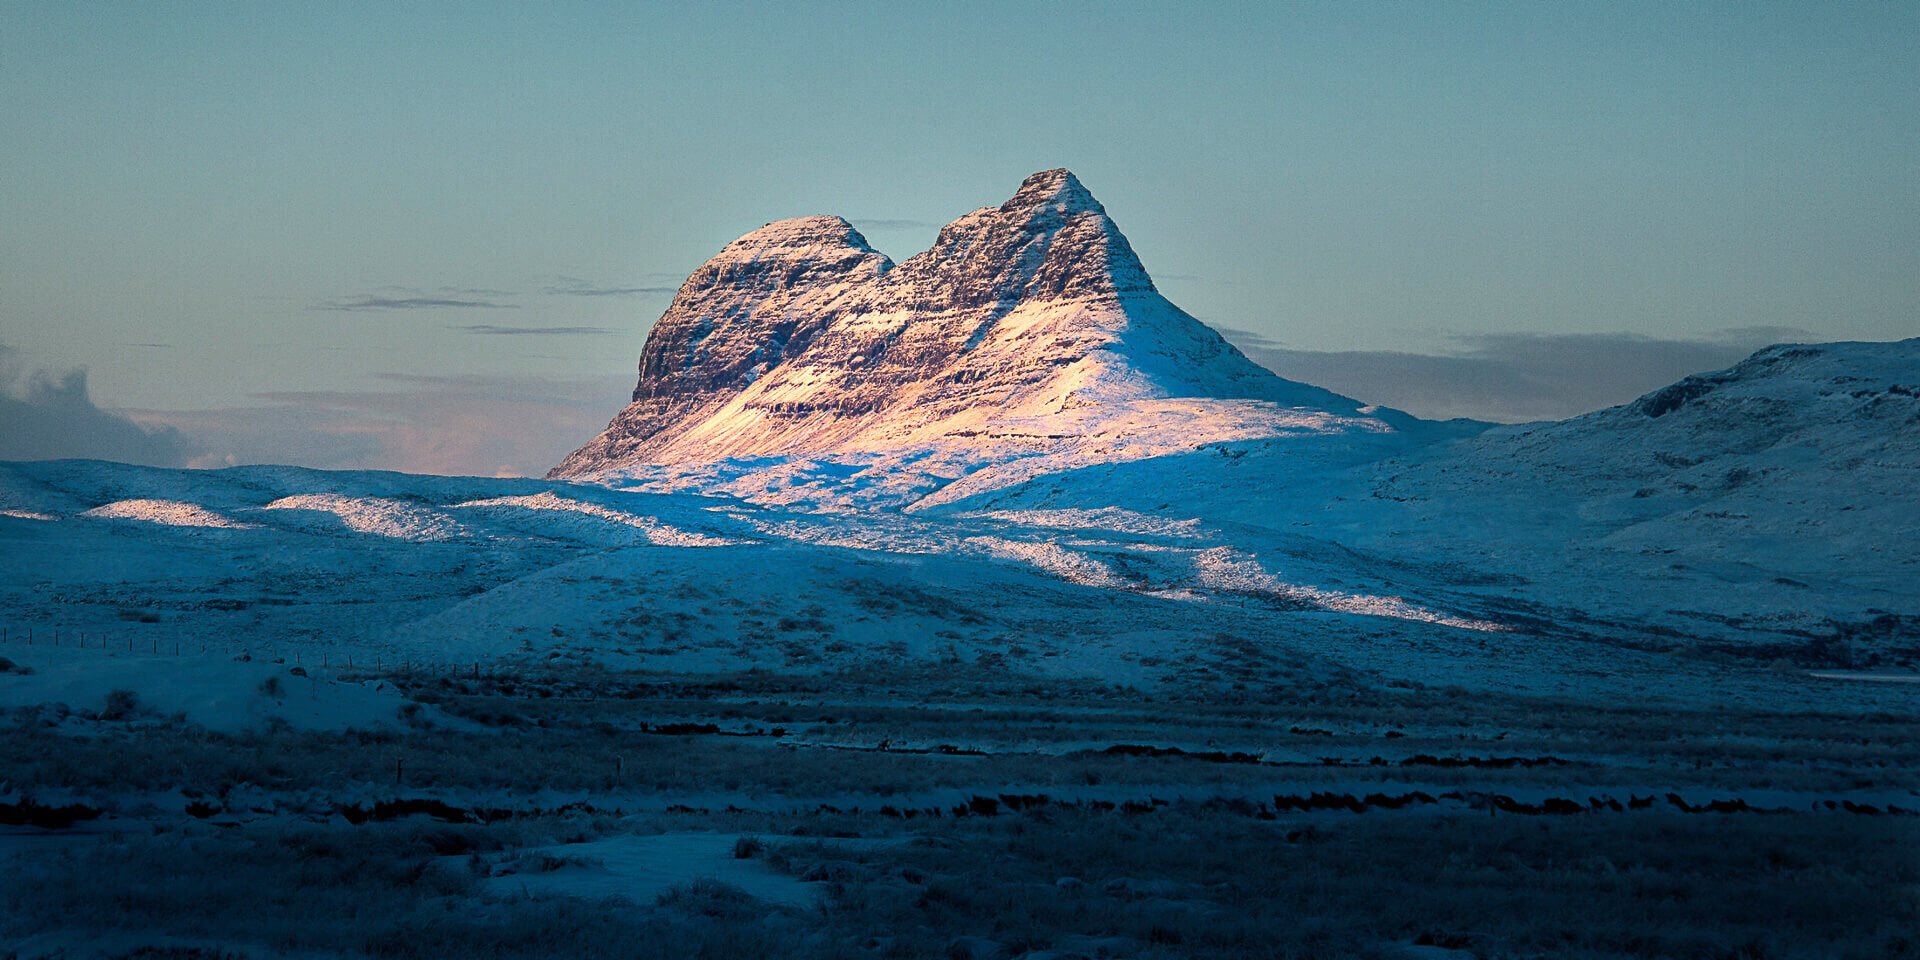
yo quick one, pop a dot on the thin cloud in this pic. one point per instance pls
(460, 292)
(1513, 377)
(491, 330)
(369, 303)
(576, 287)
(46, 415)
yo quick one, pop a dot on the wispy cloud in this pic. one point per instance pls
(1513, 377)
(459, 292)
(492, 330)
(370, 302)
(47, 415)
(576, 287)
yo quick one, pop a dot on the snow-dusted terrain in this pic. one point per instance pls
(1680, 550)
(1769, 506)
(1012, 448)
(1022, 616)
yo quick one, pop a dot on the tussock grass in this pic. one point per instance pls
(286, 875)
(386, 891)
(1186, 882)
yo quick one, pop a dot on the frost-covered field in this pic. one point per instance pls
(279, 712)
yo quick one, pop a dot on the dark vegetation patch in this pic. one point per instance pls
(1670, 398)
(1191, 883)
(1659, 886)
(31, 813)
(1173, 881)
(384, 891)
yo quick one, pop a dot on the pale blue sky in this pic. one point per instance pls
(193, 195)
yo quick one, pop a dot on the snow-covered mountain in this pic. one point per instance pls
(1016, 423)
(1028, 330)
(1775, 498)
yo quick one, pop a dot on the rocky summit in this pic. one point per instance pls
(1029, 329)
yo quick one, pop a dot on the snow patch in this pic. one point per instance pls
(1109, 519)
(650, 529)
(1230, 570)
(1052, 558)
(642, 868)
(172, 513)
(217, 692)
(378, 516)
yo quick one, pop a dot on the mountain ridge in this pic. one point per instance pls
(1028, 328)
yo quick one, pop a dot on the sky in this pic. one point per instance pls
(432, 237)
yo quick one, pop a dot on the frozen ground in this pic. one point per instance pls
(1100, 578)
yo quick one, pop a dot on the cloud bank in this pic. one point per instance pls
(464, 426)
(46, 415)
(1512, 377)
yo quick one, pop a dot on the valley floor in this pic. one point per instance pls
(958, 811)
(279, 713)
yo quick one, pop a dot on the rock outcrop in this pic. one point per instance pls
(1028, 328)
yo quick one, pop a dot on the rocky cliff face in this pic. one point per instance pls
(1028, 328)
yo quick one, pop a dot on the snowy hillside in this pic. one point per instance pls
(1198, 570)
(1029, 331)
(1769, 505)
(1012, 450)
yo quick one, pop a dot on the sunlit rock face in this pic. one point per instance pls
(1028, 328)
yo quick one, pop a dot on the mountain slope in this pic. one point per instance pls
(1772, 499)
(1801, 461)
(1027, 329)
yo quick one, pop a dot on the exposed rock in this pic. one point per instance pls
(1029, 329)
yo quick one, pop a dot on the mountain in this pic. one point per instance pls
(1773, 499)
(1028, 330)
(1791, 473)
(1689, 543)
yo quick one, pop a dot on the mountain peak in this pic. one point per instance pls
(1051, 241)
(799, 233)
(784, 256)
(1028, 327)
(1056, 190)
